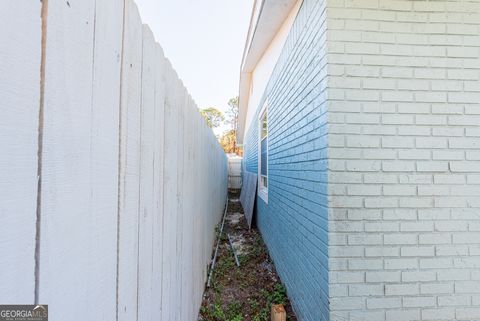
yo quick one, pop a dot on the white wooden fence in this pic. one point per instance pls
(234, 171)
(110, 181)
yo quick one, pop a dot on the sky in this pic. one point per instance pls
(204, 40)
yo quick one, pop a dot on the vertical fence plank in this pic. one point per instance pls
(20, 52)
(104, 159)
(199, 237)
(66, 238)
(130, 165)
(179, 140)
(159, 127)
(146, 205)
(170, 195)
(187, 264)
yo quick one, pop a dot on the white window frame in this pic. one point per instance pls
(262, 190)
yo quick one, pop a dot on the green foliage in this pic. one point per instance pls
(218, 312)
(262, 315)
(242, 258)
(258, 248)
(228, 141)
(213, 116)
(215, 312)
(234, 311)
(232, 112)
(229, 138)
(279, 295)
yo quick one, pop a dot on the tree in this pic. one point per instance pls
(232, 112)
(228, 141)
(232, 119)
(212, 116)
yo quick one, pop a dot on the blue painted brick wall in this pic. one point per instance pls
(294, 223)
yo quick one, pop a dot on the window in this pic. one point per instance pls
(263, 154)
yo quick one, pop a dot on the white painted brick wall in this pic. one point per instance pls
(404, 170)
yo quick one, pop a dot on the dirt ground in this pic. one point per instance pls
(243, 293)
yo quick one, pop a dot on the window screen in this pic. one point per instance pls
(264, 159)
(264, 147)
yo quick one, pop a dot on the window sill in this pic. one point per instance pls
(263, 194)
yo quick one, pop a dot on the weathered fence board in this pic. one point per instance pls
(176, 291)
(130, 164)
(187, 264)
(104, 159)
(20, 52)
(158, 187)
(132, 180)
(170, 195)
(67, 233)
(146, 206)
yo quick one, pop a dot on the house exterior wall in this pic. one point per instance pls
(294, 223)
(263, 70)
(404, 161)
(374, 118)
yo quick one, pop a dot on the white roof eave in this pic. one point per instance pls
(267, 18)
